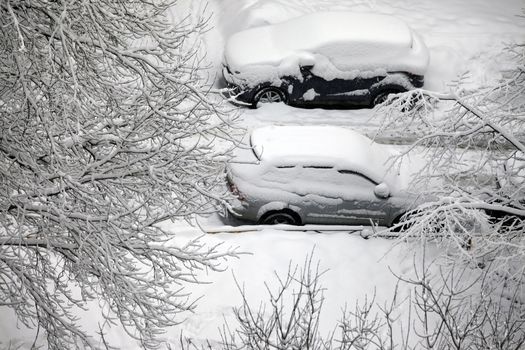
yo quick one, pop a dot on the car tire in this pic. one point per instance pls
(280, 217)
(268, 95)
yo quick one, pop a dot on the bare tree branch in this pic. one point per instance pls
(106, 130)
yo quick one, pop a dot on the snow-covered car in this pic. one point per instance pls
(325, 58)
(317, 175)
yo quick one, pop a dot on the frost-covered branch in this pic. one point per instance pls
(106, 129)
(473, 142)
(439, 307)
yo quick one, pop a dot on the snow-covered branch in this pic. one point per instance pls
(106, 129)
(473, 143)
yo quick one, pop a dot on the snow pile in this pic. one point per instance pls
(331, 146)
(336, 44)
(309, 95)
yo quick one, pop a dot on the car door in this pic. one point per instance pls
(310, 89)
(353, 91)
(320, 197)
(359, 202)
(316, 90)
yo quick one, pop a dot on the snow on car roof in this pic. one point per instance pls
(321, 146)
(349, 40)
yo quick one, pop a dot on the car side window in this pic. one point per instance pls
(356, 179)
(317, 167)
(280, 174)
(323, 175)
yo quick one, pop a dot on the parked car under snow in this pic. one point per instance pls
(325, 59)
(317, 175)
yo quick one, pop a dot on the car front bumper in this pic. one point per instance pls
(236, 91)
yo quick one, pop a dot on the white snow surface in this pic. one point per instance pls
(341, 148)
(462, 36)
(338, 44)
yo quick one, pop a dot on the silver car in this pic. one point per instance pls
(317, 175)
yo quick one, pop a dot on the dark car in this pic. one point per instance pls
(325, 59)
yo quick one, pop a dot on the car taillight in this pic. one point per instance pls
(233, 189)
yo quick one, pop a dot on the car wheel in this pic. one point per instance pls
(280, 217)
(269, 95)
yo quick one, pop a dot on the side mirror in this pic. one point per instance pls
(306, 60)
(382, 191)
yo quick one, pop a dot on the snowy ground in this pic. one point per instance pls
(461, 36)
